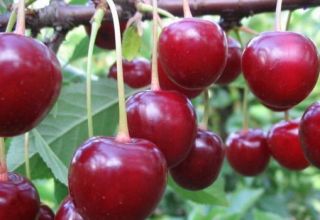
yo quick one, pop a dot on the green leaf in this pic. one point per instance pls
(4, 4)
(213, 195)
(60, 191)
(65, 128)
(131, 42)
(260, 215)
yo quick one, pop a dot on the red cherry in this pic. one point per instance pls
(45, 213)
(30, 83)
(136, 73)
(276, 109)
(281, 68)
(193, 52)
(113, 180)
(247, 152)
(168, 84)
(309, 132)
(202, 166)
(67, 211)
(233, 66)
(166, 118)
(19, 199)
(285, 146)
(105, 36)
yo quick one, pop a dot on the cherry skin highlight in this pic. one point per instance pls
(109, 179)
(30, 83)
(202, 166)
(136, 73)
(67, 211)
(309, 132)
(45, 213)
(167, 84)
(166, 118)
(19, 199)
(285, 146)
(247, 152)
(233, 67)
(281, 68)
(105, 36)
(193, 52)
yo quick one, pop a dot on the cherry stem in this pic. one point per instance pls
(206, 110)
(123, 132)
(248, 30)
(21, 24)
(26, 154)
(143, 7)
(245, 109)
(186, 9)
(236, 31)
(278, 15)
(288, 20)
(286, 115)
(3, 163)
(155, 77)
(96, 23)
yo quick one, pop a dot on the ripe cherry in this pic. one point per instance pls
(309, 132)
(136, 73)
(30, 83)
(233, 66)
(19, 199)
(105, 37)
(109, 179)
(168, 84)
(45, 213)
(281, 68)
(202, 166)
(166, 118)
(67, 211)
(247, 152)
(285, 146)
(193, 52)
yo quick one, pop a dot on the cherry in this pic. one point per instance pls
(281, 68)
(105, 36)
(30, 83)
(233, 66)
(309, 132)
(117, 180)
(166, 118)
(285, 146)
(276, 109)
(45, 213)
(193, 52)
(136, 73)
(167, 84)
(247, 152)
(202, 166)
(19, 199)
(67, 211)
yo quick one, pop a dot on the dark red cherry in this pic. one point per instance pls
(202, 166)
(67, 211)
(285, 146)
(166, 118)
(281, 68)
(168, 84)
(105, 37)
(114, 180)
(233, 66)
(30, 83)
(136, 73)
(193, 52)
(309, 132)
(247, 152)
(19, 199)
(276, 109)
(45, 213)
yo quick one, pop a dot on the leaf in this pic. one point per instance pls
(131, 43)
(65, 128)
(213, 195)
(59, 170)
(261, 215)
(60, 191)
